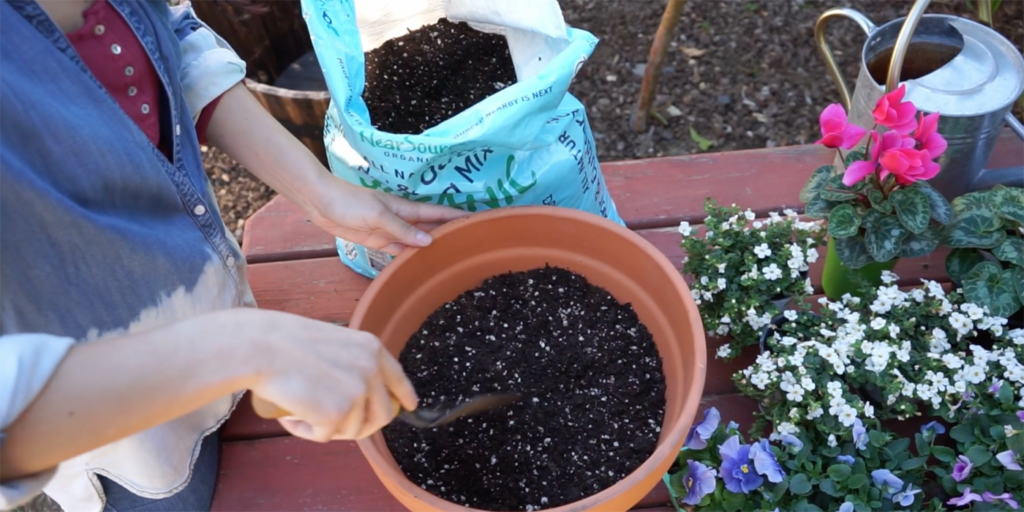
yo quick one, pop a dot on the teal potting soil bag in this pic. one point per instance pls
(529, 143)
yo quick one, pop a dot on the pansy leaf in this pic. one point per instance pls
(978, 454)
(815, 183)
(1005, 397)
(800, 485)
(852, 251)
(991, 286)
(1010, 251)
(857, 481)
(1018, 283)
(941, 210)
(829, 487)
(839, 472)
(912, 208)
(780, 490)
(884, 240)
(943, 453)
(917, 245)
(962, 433)
(835, 190)
(914, 463)
(963, 234)
(961, 261)
(843, 221)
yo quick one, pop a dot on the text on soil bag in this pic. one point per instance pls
(403, 145)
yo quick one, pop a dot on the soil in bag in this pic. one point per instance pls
(429, 75)
(591, 380)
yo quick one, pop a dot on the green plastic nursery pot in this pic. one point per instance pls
(837, 279)
(470, 250)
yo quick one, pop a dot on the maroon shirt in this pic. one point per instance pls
(109, 48)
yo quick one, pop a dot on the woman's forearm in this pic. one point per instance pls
(246, 132)
(112, 388)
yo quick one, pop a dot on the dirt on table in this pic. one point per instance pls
(418, 80)
(588, 371)
(740, 74)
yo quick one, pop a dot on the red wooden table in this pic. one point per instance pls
(294, 267)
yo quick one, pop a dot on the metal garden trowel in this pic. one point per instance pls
(422, 417)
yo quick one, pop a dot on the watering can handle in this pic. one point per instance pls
(899, 52)
(825, 52)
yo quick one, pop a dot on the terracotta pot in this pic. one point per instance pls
(468, 251)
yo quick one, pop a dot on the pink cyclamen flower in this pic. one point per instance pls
(908, 165)
(1004, 497)
(927, 136)
(894, 113)
(880, 144)
(836, 131)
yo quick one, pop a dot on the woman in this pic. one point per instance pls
(125, 337)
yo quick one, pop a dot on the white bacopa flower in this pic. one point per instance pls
(894, 330)
(794, 413)
(945, 308)
(918, 295)
(934, 289)
(847, 416)
(721, 283)
(685, 229)
(952, 362)
(725, 320)
(832, 441)
(834, 388)
(807, 383)
(790, 315)
(749, 215)
(869, 410)
(760, 380)
(789, 212)
(877, 323)
(812, 255)
(974, 374)
(772, 272)
(758, 224)
(725, 226)
(795, 395)
(762, 251)
(724, 351)
(704, 280)
(722, 330)
(973, 311)
(815, 413)
(1016, 336)
(809, 289)
(888, 277)
(960, 323)
(787, 341)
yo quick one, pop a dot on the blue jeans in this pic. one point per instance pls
(196, 496)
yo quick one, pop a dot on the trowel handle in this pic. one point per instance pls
(825, 52)
(270, 411)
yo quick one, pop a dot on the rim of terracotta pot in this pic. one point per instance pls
(670, 443)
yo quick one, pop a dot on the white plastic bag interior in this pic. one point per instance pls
(535, 29)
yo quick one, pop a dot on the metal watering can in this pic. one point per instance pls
(966, 71)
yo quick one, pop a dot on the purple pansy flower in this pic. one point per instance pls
(1004, 497)
(962, 468)
(1009, 460)
(736, 471)
(765, 462)
(886, 481)
(996, 384)
(792, 441)
(699, 482)
(732, 426)
(1020, 415)
(860, 435)
(905, 497)
(846, 507)
(845, 459)
(933, 427)
(700, 433)
(966, 499)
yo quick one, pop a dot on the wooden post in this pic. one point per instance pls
(669, 20)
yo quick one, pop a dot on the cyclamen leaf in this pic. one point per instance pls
(884, 240)
(1010, 201)
(1018, 283)
(960, 262)
(973, 201)
(853, 156)
(834, 190)
(815, 182)
(878, 201)
(852, 251)
(941, 210)
(843, 221)
(989, 285)
(912, 208)
(1010, 251)
(962, 234)
(819, 208)
(915, 246)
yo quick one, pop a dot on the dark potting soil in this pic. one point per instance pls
(429, 75)
(593, 393)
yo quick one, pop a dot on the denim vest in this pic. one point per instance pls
(100, 234)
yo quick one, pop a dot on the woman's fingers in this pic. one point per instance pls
(397, 383)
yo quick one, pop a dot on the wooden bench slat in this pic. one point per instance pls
(652, 193)
(286, 473)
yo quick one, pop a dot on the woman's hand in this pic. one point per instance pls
(338, 381)
(375, 219)
(244, 130)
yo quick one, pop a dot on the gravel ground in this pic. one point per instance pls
(741, 74)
